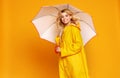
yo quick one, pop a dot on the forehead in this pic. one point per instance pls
(63, 14)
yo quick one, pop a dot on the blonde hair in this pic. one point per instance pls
(69, 12)
(60, 25)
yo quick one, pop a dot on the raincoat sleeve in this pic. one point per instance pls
(75, 46)
(57, 40)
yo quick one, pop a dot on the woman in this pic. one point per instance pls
(72, 62)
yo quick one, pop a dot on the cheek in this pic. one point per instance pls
(65, 19)
(68, 18)
(62, 20)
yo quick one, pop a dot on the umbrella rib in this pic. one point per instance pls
(48, 28)
(67, 6)
(56, 8)
(78, 12)
(48, 15)
(87, 24)
(53, 15)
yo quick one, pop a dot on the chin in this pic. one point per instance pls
(65, 23)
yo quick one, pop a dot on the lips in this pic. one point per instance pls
(65, 21)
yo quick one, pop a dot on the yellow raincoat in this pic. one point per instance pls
(72, 62)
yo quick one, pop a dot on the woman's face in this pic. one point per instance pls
(65, 18)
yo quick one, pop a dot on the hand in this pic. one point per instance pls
(57, 50)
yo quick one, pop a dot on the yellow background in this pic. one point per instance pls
(23, 54)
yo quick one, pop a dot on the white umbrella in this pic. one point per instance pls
(45, 22)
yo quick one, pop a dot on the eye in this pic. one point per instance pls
(66, 15)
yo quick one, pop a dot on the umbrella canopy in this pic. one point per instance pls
(45, 22)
